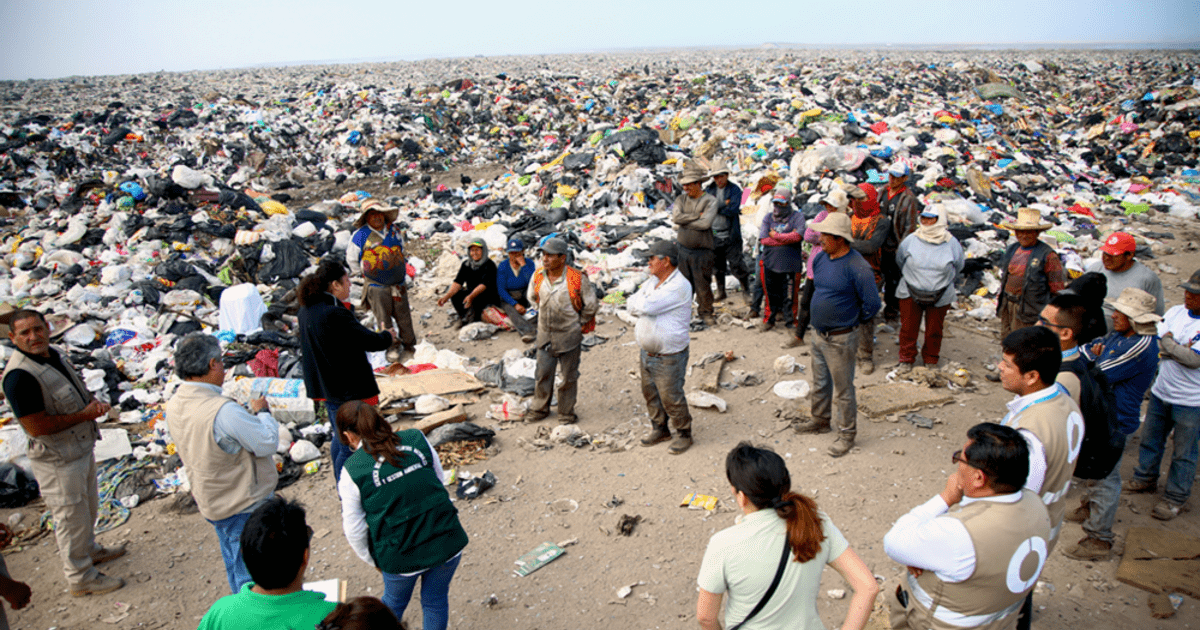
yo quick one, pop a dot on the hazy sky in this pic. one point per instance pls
(87, 37)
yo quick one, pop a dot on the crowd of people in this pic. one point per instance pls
(1079, 360)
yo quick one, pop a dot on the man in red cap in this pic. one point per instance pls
(1123, 272)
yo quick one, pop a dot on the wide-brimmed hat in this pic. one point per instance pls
(837, 198)
(389, 214)
(718, 168)
(693, 173)
(1027, 219)
(1193, 283)
(1137, 305)
(837, 224)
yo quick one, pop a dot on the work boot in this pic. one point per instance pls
(530, 338)
(107, 553)
(792, 342)
(754, 313)
(98, 585)
(841, 446)
(681, 443)
(867, 368)
(767, 325)
(904, 368)
(1165, 510)
(568, 419)
(709, 320)
(1089, 548)
(811, 425)
(536, 416)
(1079, 514)
(656, 436)
(1139, 486)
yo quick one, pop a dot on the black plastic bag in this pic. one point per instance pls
(289, 262)
(458, 432)
(17, 487)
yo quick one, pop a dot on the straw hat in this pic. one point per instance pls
(837, 224)
(1027, 219)
(693, 173)
(389, 214)
(718, 168)
(1137, 305)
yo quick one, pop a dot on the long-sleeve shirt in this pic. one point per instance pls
(664, 313)
(1037, 450)
(928, 267)
(507, 281)
(559, 324)
(902, 207)
(924, 540)
(1178, 383)
(813, 237)
(694, 218)
(727, 226)
(236, 429)
(1129, 364)
(844, 292)
(354, 517)
(783, 252)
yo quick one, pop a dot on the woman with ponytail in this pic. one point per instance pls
(745, 559)
(334, 346)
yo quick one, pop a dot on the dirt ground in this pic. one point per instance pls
(174, 569)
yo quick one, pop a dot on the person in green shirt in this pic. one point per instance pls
(275, 548)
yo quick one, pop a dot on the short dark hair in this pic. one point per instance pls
(360, 613)
(1001, 453)
(25, 313)
(274, 541)
(1035, 348)
(1071, 309)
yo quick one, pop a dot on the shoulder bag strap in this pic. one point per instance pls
(787, 549)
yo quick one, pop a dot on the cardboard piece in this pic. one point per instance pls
(437, 382)
(709, 375)
(539, 557)
(333, 589)
(113, 443)
(881, 400)
(434, 420)
(1161, 561)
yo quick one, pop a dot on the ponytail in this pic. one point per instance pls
(803, 525)
(763, 477)
(317, 282)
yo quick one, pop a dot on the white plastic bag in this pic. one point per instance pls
(242, 309)
(791, 390)
(699, 399)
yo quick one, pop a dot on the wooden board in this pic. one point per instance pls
(882, 400)
(431, 382)
(1161, 561)
(709, 375)
(434, 420)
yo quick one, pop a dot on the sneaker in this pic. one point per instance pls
(681, 444)
(657, 436)
(841, 446)
(793, 342)
(1089, 549)
(1165, 510)
(866, 367)
(765, 326)
(1138, 486)
(904, 368)
(1079, 514)
(810, 425)
(98, 585)
(107, 553)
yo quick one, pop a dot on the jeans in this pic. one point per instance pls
(662, 386)
(1161, 418)
(435, 593)
(833, 379)
(1104, 495)
(229, 535)
(910, 328)
(338, 452)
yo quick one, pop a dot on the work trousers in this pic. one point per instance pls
(662, 387)
(783, 294)
(833, 381)
(728, 258)
(69, 490)
(697, 266)
(910, 327)
(390, 304)
(523, 326)
(543, 388)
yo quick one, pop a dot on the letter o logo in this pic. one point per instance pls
(1031, 545)
(1074, 435)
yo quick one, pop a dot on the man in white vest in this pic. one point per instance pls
(225, 449)
(977, 549)
(58, 413)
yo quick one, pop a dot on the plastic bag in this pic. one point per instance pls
(476, 331)
(495, 316)
(791, 390)
(288, 261)
(242, 309)
(701, 399)
(17, 487)
(510, 407)
(458, 432)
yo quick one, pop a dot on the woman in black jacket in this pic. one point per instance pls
(334, 347)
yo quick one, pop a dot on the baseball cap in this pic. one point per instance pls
(1118, 243)
(664, 248)
(515, 245)
(782, 196)
(928, 211)
(899, 169)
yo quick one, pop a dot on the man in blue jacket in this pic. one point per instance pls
(727, 232)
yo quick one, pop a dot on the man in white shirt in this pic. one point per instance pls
(663, 305)
(974, 566)
(1174, 407)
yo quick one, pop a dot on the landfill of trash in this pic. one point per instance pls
(137, 209)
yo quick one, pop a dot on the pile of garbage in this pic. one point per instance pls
(136, 209)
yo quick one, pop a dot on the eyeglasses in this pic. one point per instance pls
(1047, 323)
(957, 458)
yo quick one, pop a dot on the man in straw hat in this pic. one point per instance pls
(727, 231)
(376, 251)
(1128, 356)
(1032, 273)
(1121, 271)
(844, 297)
(693, 213)
(1174, 406)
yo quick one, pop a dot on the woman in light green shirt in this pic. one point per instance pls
(743, 559)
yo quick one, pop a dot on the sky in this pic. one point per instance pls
(55, 39)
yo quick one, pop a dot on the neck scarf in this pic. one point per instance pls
(781, 212)
(937, 233)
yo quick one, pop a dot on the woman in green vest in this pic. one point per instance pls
(396, 512)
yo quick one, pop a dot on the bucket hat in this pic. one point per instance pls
(837, 224)
(1137, 305)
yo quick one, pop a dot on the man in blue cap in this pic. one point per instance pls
(512, 282)
(898, 203)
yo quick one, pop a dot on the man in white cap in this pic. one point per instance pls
(376, 250)
(693, 214)
(1128, 356)
(899, 204)
(727, 232)
(1174, 407)
(844, 298)
(1122, 271)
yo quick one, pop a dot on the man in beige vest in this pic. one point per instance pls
(225, 449)
(58, 414)
(1047, 418)
(972, 567)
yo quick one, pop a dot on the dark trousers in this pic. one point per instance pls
(783, 293)
(468, 315)
(891, 279)
(662, 387)
(543, 387)
(757, 291)
(728, 258)
(805, 315)
(697, 266)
